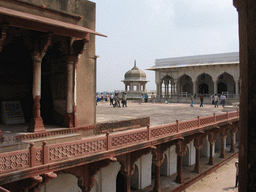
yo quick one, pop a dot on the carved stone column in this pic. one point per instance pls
(36, 124)
(69, 119)
(212, 137)
(198, 143)
(215, 87)
(233, 131)
(181, 149)
(161, 90)
(76, 49)
(194, 87)
(237, 87)
(157, 160)
(223, 136)
(127, 170)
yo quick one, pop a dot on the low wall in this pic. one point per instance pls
(122, 125)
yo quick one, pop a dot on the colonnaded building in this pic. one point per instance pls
(179, 77)
(49, 139)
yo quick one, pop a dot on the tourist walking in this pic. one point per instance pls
(146, 98)
(124, 99)
(111, 99)
(101, 97)
(216, 100)
(192, 101)
(141, 99)
(237, 171)
(223, 101)
(116, 101)
(202, 100)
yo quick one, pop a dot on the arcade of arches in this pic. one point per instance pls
(204, 84)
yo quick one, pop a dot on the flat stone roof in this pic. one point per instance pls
(197, 60)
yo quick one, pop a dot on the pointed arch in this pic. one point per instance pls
(205, 83)
(226, 84)
(186, 84)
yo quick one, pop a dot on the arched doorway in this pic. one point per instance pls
(205, 84)
(222, 87)
(186, 88)
(203, 88)
(226, 83)
(186, 84)
(120, 182)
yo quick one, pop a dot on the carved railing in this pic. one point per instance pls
(34, 156)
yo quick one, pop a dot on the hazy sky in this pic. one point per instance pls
(145, 30)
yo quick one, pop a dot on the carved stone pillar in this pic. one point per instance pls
(212, 137)
(176, 91)
(181, 149)
(158, 90)
(198, 143)
(158, 159)
(127, 170)
(36, 124)
(233, 131)
(166, 89)
(69, 119)
(194, 87)
(76, 49)
(161, 90)
(223, 136)
(237, 87)
(215, 87)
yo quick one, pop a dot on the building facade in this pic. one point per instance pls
(180, 77)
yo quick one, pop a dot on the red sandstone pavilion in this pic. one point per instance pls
(44, 89)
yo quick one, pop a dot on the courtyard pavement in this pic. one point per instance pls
(159, 113)
(221, 179)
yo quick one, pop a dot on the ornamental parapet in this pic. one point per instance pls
(54, 157)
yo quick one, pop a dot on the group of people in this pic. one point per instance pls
(214, 98)
(115, 100)
(143, 98)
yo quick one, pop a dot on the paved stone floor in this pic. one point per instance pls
(169, 113)
(159, 113)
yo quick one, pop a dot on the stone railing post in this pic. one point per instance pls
(178, 127)
(32, 155)
(45, 153)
